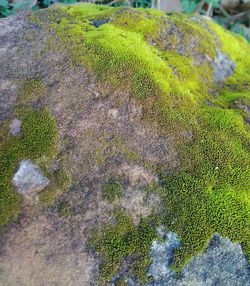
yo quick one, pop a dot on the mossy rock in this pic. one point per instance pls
(164, 64)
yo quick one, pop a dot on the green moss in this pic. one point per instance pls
(123, 239)
(210, 191)
(120, 49)
(40, 138)
(112, 190)
(65, 209)
(237, 48)
(60, 182)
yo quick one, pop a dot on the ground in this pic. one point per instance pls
(138, 121)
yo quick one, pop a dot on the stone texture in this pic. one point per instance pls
(222, 263)
(223, 66)
(28, 178)
(15, 127)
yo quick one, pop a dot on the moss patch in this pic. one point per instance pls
(211, 193)
(60, 181)
(112, 190)
(31, 89)
(65, 209)
(40, 138)
(121, 240)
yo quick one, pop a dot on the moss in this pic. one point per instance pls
(121, 54)
(40, 138)
(60, 182)
(65, 209)
(112, 190)
(209, 193)
(237, 48)
(123, 239)
(31, 89)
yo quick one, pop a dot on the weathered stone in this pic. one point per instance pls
(222, 263)
(223, 66)
(28, 179)
(15, 127)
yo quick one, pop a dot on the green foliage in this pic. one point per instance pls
(112, 190)
(122, 239)
(40, 138)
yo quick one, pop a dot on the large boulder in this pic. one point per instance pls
(136, 119)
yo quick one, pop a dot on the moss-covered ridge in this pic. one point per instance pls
(140, 51)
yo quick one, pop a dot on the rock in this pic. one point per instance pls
(132, 99)
(162, 255)
(222, 263)
(15, 127)
(223, 66)
(28, 179)
(99, 22)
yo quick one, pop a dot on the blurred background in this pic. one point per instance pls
(232, 14)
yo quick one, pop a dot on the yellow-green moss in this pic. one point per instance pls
(210, 192)
(237, 48)
(39, 139)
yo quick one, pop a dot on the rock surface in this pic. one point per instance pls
(15, 127)
(223, 66)
(222, 263)
(28, 179)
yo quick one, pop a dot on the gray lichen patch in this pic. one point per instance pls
(28, 179)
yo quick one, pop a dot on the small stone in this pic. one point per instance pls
(29, 179)
(15, 127)
(223, 66)
(113, 113)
